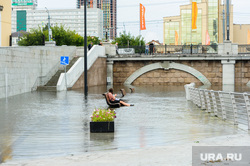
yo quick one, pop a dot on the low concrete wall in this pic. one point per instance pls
(22, 69)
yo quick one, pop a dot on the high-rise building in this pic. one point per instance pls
(109, 14)
(209, 23)
(72, 19)
(5, 22)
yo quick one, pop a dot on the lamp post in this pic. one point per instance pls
(228, 19)
(85, 51)
(48, 24)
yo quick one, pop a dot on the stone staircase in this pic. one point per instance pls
(51, 84)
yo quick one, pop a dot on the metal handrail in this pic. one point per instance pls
(171, 49)
(228, 105)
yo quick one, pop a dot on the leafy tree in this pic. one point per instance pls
(35, 38)
(93, 39)
(60, 35)
(126, 39)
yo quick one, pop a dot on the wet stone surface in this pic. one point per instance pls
(39, 124)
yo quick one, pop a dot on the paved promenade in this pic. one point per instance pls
(174, 155)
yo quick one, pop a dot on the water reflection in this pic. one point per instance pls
(42, 124)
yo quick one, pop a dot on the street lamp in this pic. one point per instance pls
(85, 51)
(50, 33)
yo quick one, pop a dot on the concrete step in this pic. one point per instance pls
(46, 88)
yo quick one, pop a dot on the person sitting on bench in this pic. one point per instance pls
(113, 99)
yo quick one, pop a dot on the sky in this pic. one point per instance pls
(128, 14)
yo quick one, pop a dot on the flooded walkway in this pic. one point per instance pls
(44, 124)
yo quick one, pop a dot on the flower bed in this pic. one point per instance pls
(102, 121)
(103, 115)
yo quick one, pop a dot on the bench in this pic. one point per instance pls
(112, 105)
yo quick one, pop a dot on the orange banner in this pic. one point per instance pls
(142, 17)
(248, 37)
(207, 38)
(176, 38)
(91, 3)
(194, 15)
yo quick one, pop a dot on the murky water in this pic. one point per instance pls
(39, 124)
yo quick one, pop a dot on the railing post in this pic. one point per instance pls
(203, 105)
(208, 101)
(192, 94)
(198, 98)
(191, 48)
(246, 98)
(165, 49)
(223, 109)
(234, 109)
(194, 97)
(214, 103)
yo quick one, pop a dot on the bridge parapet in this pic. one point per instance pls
(224, 49)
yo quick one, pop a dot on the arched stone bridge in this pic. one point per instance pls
(166, 65)
(178, 70)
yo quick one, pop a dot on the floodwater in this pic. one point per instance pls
(44, 124)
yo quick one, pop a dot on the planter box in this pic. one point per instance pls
(102, 127)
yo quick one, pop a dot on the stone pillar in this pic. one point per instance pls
(109, 48)
(187, 90)
(110, 72)
(228, 72)
(228, 49)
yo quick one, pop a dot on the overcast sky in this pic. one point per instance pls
(128, 14)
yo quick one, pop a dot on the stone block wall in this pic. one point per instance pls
(24, 68)
(210, 69)
(242, 72)
(97, 75)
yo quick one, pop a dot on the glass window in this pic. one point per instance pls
(170, 28)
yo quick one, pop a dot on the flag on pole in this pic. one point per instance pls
(248, 37)
(194, 15)
(142, 17)
(176, 38)
(207, 38)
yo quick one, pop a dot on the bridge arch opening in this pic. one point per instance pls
(166, 65)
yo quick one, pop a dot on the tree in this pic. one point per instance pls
(128, 39)
(93, 39)
(35, 38)
(60, 35)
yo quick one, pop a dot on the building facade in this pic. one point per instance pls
(72, 19)
(209, 24)
(109, 8)
(5, 22)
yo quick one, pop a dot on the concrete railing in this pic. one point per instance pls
(226, 105)
(78, 68)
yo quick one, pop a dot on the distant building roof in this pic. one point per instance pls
(156, 42)
(19, 34)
